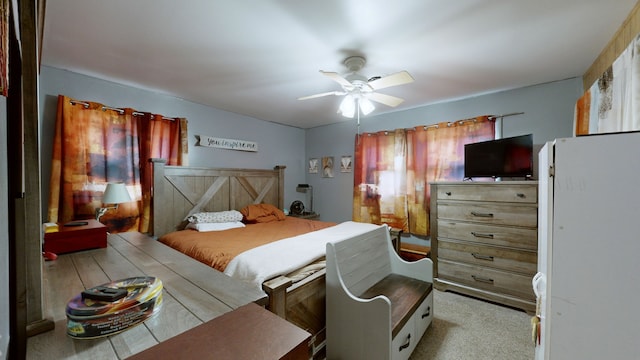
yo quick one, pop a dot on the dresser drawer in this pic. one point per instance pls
(489, 213)
(524, 262)
(515, 237)
(485, 278)
(424, 316)
(405, 341)
(518, 193)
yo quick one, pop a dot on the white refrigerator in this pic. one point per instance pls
(588, 283)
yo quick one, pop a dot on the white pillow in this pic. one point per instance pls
(215, 217)
(215, 226)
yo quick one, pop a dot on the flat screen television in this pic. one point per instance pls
(506, 157)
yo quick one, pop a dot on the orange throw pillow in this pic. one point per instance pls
(261, 213)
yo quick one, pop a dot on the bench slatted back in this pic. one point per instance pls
(363, 260)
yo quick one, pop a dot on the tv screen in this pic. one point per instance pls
(507, 157)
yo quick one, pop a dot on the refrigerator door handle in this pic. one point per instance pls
(539, 283)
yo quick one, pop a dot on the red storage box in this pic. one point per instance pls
(73, 238)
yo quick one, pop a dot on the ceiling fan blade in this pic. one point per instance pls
(337, 78)
(337, 93)
(385, 99)
(396, 79)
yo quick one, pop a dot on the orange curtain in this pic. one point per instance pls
(94, 145)
(582, 114)
(160, 138)
(392, 170)
(436, 153)
(380, 178)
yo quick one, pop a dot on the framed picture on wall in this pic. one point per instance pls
(327, 166)
(313, 166)
(345, 164)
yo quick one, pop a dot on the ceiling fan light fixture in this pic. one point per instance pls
(360, 91)
(366, 106)
(348, 106)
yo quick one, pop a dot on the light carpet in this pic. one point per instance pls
(466, 328)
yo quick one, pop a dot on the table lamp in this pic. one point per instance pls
(114, 193)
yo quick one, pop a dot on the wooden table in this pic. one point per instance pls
(249, 332)
(193, 294)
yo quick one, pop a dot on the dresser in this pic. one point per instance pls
(484, 239)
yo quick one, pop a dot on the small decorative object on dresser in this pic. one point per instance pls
(484, 239)
(76, 235)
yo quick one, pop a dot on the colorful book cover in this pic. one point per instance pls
(88, 318)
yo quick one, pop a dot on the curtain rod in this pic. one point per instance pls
(505, 115)
(425, 127)
(121, 111)
(491, 117)
(449, 123)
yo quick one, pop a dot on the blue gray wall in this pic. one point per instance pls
(277, 144)
(548, 114)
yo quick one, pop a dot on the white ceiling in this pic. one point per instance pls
(256, 57)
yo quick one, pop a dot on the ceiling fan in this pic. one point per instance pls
(360, 91)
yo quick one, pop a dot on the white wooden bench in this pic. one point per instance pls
(378, 305)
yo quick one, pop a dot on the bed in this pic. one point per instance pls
(298, 294)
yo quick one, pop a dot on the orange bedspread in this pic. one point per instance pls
(217, 248)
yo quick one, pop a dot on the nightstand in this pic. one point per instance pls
(74, 238)
(307, 215)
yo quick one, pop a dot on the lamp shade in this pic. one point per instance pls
(351, 103)
(115, 193)
(366, 106)
(348, 106)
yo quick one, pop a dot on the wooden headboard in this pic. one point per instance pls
(179, 191)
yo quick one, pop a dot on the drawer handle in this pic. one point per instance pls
(427, 313)
(478, 214)
(406, 345)
(448, 193)
(482, 257)
(482, 279)
(521, 195)
(482, 235)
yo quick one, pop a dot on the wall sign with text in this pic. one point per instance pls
(231, 144)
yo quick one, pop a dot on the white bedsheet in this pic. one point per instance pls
(282, 257)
